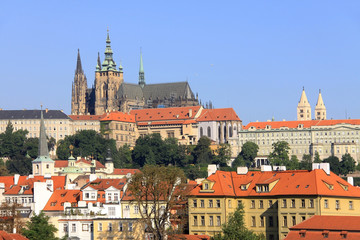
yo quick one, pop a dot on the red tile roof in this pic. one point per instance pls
(59, 197)
(61, 163)
(162, 114)
(11, 236)
(306, 124)
(87, 117)
(120, 117)
(124, 171)
(65, 163)
(28, 183)
(219, 114)
(296, 182)
(102, 184)
(7, 180)
(316, 226)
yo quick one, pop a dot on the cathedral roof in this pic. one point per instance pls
(130, 91)
(168, 90)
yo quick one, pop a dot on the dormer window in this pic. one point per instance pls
(262, 188)
(206, 186)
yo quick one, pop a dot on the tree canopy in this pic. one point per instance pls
(280, 154)
(246, 158)
(39, 228)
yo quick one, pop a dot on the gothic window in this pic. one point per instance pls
(201, 131)
(230, 131)
(209, 132)
(225, 132)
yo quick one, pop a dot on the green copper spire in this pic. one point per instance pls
(141, 72)
(43, 146)
(108, 63)
(121, 68)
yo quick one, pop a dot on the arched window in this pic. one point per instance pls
(103, 91)
(209, 132)
(230, 131)
(201, 132)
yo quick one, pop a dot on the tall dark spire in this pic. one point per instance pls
(98, 66)
(43, 147)
(79, 69)
(141, 72)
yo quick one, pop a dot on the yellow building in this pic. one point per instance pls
(118, 228)
(273, 200)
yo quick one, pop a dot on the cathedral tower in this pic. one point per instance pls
(107, 82)
(303, 108)
(79, 88)
(141, 72)
(320, 109)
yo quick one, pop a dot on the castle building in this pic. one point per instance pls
(110, 92)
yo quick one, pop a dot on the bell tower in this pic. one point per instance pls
(320, 109)
(303, 108)
(107, 82)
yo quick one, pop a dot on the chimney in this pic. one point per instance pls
(211, 169)
(16, 179)
(350, 180)
(242, 170)
(46, 110)
(323, 166)
(190, 113)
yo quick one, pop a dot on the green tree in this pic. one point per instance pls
(12, 142)
(293, 163)
(86, 143)
(124, 159)
(317, 157)
(223, 155)
(39, 228)
(202, 153)
(164, 186)
(347, 164)
(235, 228)
(247, 155)
(20, 165)
(195, 171)
(335, 166)
(280, 154)
(306, 162)
(148, 150)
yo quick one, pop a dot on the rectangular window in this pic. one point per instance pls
(337, 204)
(311, 203)
(284, 203)
(121, 228)
(261, 221)
(285, 221)
(202, 220)
(202, 203)
(136, 210)
(303, 203)
(73, 227)
(261, 204)
(211, 204)
(270, 203)
(130, 227)
(217, 203)
(100, 227)
(65, 228)
(85, 227)
(195, 203)
(252, 204)
(239, 202)
(211, 221)
(218, 221)
(110, 227)
(195, 220)
(229, 203)
(293, 219)
(253, 221)
(292, 203)
(112, 211)
(351, 206)
(326, 203)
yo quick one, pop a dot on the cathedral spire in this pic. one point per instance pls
(320, 109)
(98, 66)
(43, 147)
(79, 69)
(108, 63)
(141, 72)
(303, 108)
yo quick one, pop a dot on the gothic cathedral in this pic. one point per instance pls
(111, 93)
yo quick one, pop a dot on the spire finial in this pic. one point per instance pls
(320, 90)
(78, 63)
(303, 88)
(141, 71)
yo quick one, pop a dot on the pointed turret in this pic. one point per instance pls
(79, 69)
(108, 63)
(141, 72)
(98, 66)
(43, 164)
(320, 109)
(303, 108)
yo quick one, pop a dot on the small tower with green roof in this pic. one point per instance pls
(43, 164)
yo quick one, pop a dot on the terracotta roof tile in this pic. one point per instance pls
(11, 236)
(87, 117)
(218, 114)
(124, 171)
(59, 197)
(28, 184)
(161, 114)
(102, 184)
(120, 117)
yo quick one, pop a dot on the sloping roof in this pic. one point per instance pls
(59, 197)
(294, 182)
(87, 117)
(124, 171)
(11, 236)
(334, 226)
(120, 117)
(130, 91)
(7, 180)
(31, 114)
(168, 90)
(102, 184)
(61, 163)
(161, 114)
(25, 184)
(219, 114)
(86, 161)
(188, 237)
(306, 123)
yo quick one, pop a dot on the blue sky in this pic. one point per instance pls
(254, 56)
